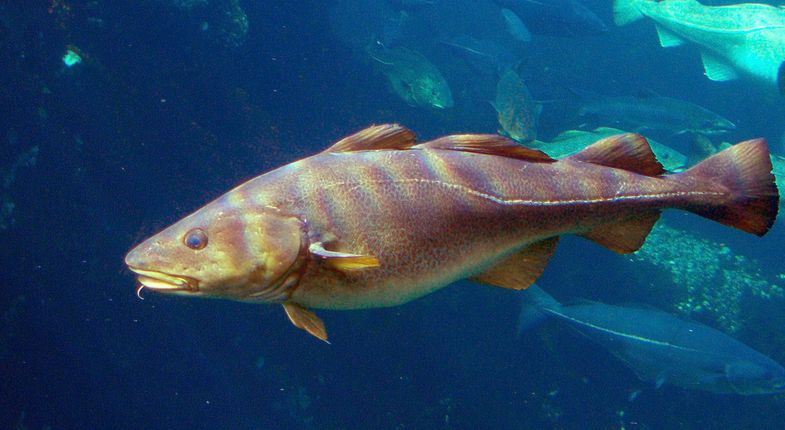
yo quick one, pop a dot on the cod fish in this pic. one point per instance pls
(516, 110)
(661, 348)
(654, 112)
(412, 77)
(747, 38)
(378, 220)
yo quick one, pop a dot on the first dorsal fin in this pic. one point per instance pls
(490, 144)
(628, 151)
(384, 136)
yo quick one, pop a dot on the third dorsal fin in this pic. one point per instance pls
(384, 136)
(490, 144)
(629, 151)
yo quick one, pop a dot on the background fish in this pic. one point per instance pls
(515, 108)
(412, 77)
(743, 38)
(653, 112)
(662, 348)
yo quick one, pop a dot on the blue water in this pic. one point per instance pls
(175, 102)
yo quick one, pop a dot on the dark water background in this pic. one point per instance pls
(164, 114)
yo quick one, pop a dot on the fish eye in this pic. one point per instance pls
(195, 238)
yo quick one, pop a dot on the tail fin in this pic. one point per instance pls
(745, 171)
(626, 11)
(535, 303)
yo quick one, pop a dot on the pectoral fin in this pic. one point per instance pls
(343, 261)
(306, 320)
(520, 270)
(717, 70)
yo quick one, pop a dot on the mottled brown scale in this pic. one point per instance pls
(377, 221)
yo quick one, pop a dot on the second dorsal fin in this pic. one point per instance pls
(629, 151)
(384, 136)
(490, 144)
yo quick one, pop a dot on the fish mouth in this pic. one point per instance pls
(165, 282)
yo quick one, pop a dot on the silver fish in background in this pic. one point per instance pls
(746, 39)
(661, 348)
(412, 77)
(653, 112)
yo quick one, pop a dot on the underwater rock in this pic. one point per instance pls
(714, 279)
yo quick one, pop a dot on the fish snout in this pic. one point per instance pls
(142, 261)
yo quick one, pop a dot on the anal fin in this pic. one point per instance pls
(716, 69)
(624, 236)
(520, 270)
(304, 319)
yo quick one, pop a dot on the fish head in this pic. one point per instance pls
(223, 251)
(716, 125)
(763, 376)
(432, 91)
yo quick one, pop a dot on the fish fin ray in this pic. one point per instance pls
(716, 69)
(375, 137)
(668, 39)
(490, 144)
(343, 261)
(305, 319)
(624, 236)
(745, 171)
(520, 270)
(628, 151)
